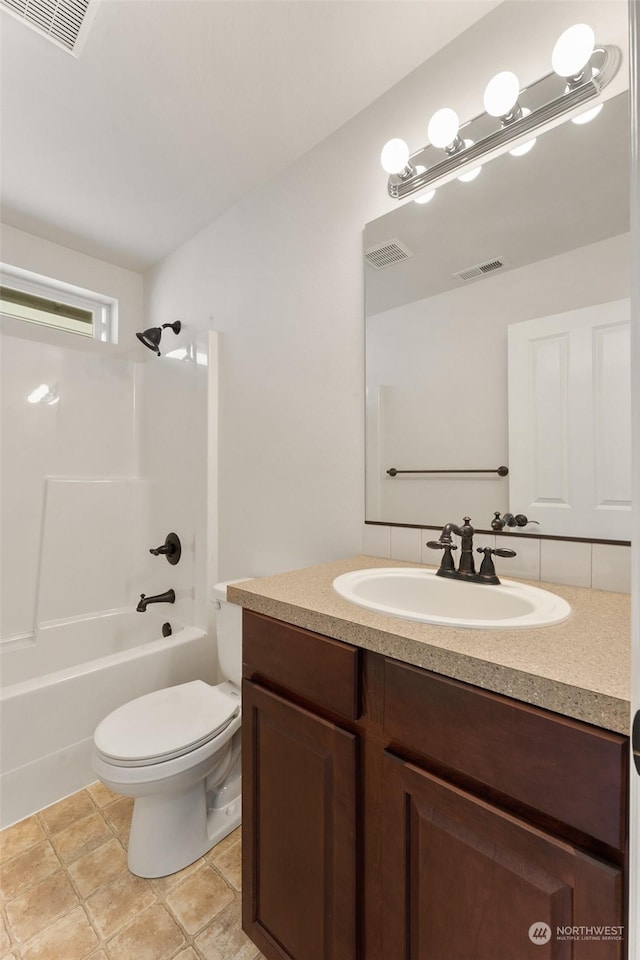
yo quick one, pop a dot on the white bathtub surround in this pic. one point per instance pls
(47, 723)
(87, 435)
(89, 484)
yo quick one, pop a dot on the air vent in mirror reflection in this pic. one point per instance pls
(386, 254)
(481, 269)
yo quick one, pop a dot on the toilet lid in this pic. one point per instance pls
(165, 724)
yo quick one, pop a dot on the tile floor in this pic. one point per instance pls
(66, 893)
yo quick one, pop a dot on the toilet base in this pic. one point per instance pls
(187, 828)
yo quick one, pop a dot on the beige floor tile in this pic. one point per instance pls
(20, 837)
(198, 899)
(153, 935)
(29, 913)
(62, 814)
(229, 864)
(81, 838)
(97, 868)
(164, 884)
(188, 954)
(29, 868)
(118, 903)
(5, 940)
(223, 939)
(71, 937)
(221, 848)
(99, 955)
(100, 794)
(118, 815)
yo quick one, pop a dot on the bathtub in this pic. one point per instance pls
(57, 687)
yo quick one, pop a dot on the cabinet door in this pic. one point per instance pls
(299, 831)
(465, 881)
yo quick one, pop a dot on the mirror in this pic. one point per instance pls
(537, 236)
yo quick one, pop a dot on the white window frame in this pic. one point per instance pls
(103, 309)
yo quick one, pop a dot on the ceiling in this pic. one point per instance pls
(175, 109)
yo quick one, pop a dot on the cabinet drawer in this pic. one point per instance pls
(318, 669)
(566, 770)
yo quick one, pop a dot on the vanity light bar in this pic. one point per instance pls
(415, 177)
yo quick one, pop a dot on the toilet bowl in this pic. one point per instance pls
(176, 751)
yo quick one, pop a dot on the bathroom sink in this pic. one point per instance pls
(418, 594)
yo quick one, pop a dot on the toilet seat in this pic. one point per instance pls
(165, 724)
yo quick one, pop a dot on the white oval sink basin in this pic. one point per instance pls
(418, 594)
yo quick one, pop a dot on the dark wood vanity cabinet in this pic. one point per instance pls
(300, 792)
(390, 813)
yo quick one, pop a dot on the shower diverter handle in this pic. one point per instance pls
(171, 548)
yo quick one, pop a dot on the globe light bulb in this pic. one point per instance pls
(523, 148)
(425, 197)
(501, 94)
(588, 115)
(394, 156)
(472, 174)
(572, 50)
(443, 127)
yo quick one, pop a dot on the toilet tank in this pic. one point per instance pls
(228, 632)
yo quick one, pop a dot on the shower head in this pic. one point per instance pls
(151, 337)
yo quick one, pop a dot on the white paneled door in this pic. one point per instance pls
(570, 421)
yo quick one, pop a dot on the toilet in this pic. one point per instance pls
(177, 752)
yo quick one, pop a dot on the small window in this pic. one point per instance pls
(27, 297)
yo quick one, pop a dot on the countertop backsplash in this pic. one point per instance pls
(578, 563)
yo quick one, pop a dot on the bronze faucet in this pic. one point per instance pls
(466, 568)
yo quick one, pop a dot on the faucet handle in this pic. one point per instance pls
(439, 545)
(509, 520)
(487, 569)
(171, 548)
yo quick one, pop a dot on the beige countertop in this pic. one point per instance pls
(579, 668)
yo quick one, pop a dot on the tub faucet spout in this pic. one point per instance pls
(168, 597)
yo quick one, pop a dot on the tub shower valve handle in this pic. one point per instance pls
(171, 548)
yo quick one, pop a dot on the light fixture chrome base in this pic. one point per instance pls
(606, 61)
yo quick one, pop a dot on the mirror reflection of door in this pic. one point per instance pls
(570, 420)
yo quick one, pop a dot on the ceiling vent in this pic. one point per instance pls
(386, 254)
(65, 22)
(481, 269)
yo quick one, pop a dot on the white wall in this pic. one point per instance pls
(280, 275)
